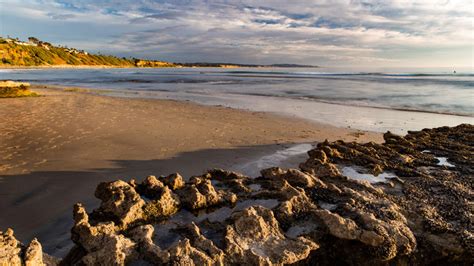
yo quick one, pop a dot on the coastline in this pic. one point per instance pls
(73, 67)
(57, 148)
(365, 118)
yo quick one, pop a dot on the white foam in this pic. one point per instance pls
(280, 158)
(443, 161)
(353, 174)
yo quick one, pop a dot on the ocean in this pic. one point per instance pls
(380, 100)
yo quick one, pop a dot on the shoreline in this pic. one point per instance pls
(128, 92)
(57, 148)
(363, 118)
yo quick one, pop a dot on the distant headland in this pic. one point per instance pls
(36, 53)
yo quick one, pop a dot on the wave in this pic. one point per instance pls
(366, 102)
(456, 80)
(351, 73)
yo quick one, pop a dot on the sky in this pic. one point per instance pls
(389, 33)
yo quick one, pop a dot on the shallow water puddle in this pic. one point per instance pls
(255, 187)
(443, 161)
(285, 158)
(327, 206)
(300, 229)
(352, 173)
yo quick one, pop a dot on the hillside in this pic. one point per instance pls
(14, 52)
(17, 53)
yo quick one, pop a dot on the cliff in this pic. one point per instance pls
(17, 53)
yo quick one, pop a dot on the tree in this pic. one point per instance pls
(33, 40)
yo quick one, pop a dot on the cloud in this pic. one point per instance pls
(60, 16)
(324, 32)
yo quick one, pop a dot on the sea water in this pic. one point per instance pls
(377, 100)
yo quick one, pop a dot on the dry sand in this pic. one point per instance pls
(54, 150)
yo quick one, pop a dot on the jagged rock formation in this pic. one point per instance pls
(12, 252)
(414, 208)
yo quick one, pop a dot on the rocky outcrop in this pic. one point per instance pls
(414, 207)
(423, 214)
(201, 193)
(10, 249)
(12, 252)
(167, 204)
(120, 201)
(142, 235)
(174, 181)
(102, 243)
(255, 238)
(34, 253)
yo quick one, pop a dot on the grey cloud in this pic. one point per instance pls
(61, 16)
(272, 31)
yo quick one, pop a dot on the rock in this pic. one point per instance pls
(120, 200)
(193, 233)
(339, 226)
(10, 249)
(142, 235)
(234, 182)
(192, 198)
(151, 187)
(13, 253)
(294, 176)
(318, 168)
(174, 181)
(296, 204)
(202, 194)
(34, 254)
(319, 154)
(185, 254)
(103, 244)
(255, 238)
(166, 205)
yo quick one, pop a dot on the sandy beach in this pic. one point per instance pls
(55, 149)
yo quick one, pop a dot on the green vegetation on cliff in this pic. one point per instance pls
(14, 52)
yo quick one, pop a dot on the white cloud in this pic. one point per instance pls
(326, 32)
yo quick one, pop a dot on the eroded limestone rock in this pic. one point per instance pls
(255, 238)
(34, 253)
(151, 187)
(166, 205)
(314, 215)
(120, 200)
(200, 193)
(10, 249)
(174, 181)
(142, 235)
(103, 243)
(13, 253)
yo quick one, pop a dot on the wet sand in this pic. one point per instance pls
(54, 150)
